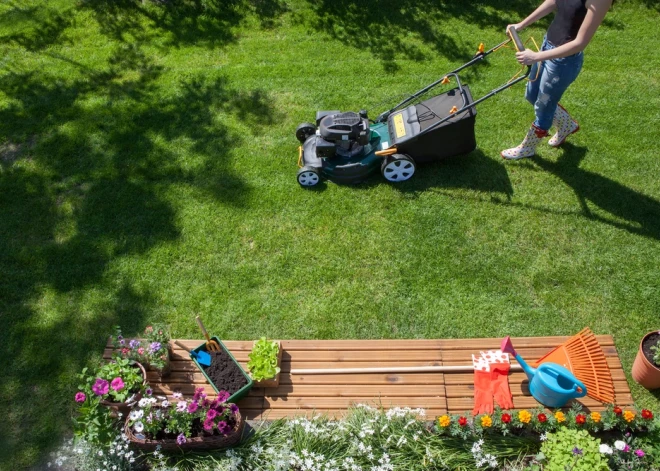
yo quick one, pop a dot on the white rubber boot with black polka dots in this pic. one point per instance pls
(527, 147)
(565, 126)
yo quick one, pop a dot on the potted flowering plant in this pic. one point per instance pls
(646, 369)
(105, 394)
(264, 363)
(198, 423)
(153, 351)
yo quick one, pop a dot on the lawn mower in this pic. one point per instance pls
(348, 147)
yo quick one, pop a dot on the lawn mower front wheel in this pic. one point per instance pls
(308, 176)
(398, 167)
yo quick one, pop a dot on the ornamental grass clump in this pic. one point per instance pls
(181, 419)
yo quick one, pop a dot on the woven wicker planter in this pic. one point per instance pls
(644, 371)
(212, 442)
(125, 407)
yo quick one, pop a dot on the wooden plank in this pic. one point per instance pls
(468, 378)
(273, 414)
(612, 362)
(351, 390)
(461, 405)
(517, 389)
(345, 402)
(189, 389)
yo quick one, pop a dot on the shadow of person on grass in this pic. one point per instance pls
(641, 213)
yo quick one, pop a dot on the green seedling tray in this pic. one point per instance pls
(238, 395)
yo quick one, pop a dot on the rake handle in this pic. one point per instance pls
(392, 369)
(201, 326)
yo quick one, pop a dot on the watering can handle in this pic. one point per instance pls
(583, 388)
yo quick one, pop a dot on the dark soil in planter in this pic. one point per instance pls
(649, 342)
(224, 373)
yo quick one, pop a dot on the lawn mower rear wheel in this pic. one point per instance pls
(398, 167)
(304, 130)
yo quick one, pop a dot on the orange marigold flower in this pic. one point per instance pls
(444, 421)
(629, 416)
(524, 416)
(559, 415)
(486, 421)
(595, 416)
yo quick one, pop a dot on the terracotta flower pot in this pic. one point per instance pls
(125, 407)
(643, 370)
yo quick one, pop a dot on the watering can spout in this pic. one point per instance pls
(507, 347)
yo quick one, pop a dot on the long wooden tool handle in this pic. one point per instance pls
(392, 369)
(183, 346)
(201, 326)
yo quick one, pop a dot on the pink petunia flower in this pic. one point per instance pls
(141, 351)
(208, 425)
(211, 414)
(192, 407)
(640, 453)
(117, 384)
(80, 396)
(223, 396)
(100, 387)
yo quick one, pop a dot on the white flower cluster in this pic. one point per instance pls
(83, 455)
(309, 461)
(482, 459)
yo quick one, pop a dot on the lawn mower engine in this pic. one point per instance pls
(335, 147)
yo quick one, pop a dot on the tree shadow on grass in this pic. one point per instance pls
(181, 22)
(40, 27)
(395, 29)
(86, 165)
(639, 214)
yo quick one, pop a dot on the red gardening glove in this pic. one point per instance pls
(483, 397)
(499, 376)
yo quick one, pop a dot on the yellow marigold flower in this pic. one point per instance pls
(628, 416)
(595, 416)
(444, 421)
(559, 415)
(486, 421)
(524, 416)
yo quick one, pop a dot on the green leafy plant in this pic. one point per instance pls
(656, 353)
(116, 381)
(572, 450)
(152, 350)
(263, 360)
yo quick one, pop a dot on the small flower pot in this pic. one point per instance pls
(272, 382)
(125, 407)
(167, 368)
(644, 371)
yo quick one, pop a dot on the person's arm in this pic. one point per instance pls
(596, 11)
(544, 9)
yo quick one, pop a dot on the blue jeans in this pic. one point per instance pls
(545, 90)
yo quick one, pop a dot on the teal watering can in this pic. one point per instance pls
(550, 384)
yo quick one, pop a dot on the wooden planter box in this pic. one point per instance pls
(273, 382)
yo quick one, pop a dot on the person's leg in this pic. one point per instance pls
(555, 77)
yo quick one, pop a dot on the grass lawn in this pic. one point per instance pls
(147, 173)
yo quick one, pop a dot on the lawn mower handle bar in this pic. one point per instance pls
(513, 34)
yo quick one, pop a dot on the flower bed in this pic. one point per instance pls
(153, 351)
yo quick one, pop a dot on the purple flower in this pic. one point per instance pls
(627, 448)
(149, 391)
(208, 425)
(134, 344)
(80, 396)
(211, 414)
(223, 396)
(577, 451)
(181, 439)
(100, 387)
(199, 393)
(155, 346)
(192, 407)
(181, 406)
(233, 408)
(639, 453)
(122, 342)
(223, 427)
(117, 384)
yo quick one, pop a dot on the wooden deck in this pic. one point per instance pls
(438, 393)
